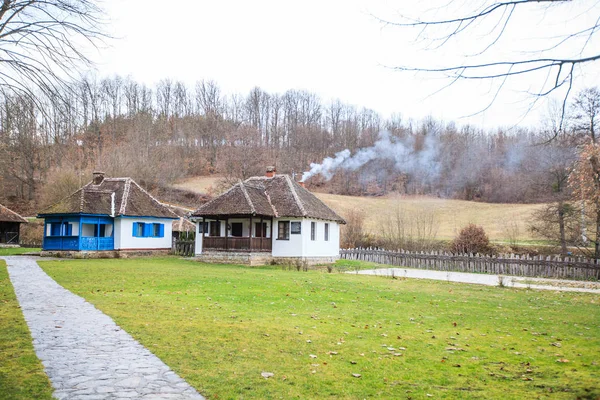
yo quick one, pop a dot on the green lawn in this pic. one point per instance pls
(21, 372)
(14, 251)
(220, 327)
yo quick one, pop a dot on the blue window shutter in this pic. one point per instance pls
(161, 230)
(147, 230)
(55, 229)
(69, 229)
(134, 234)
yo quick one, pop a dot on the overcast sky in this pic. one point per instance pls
(334, 48)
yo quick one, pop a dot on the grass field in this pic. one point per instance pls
(14, 251)
(498, 220)
(345, 336)
(21, 372)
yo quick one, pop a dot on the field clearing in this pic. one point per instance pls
(500, 221)
(220, 327)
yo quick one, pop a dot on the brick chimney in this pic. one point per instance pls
(271, 171)
(302, 184)
(98, 177)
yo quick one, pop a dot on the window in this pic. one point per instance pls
(237, 229)
(296, 228)
(203, 227)
(141, 229)
(68, 229)
(138, 229)
(326, 232)
(283, 230)
(260, 231)
(313, 230)
(55, 229)
(215, 228)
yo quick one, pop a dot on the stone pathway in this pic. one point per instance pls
(485, 279)
(85, 354)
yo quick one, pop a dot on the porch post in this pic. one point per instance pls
(250, 233)
(201, 235)
(272, 222)
(262, 232)
(80, 234)
(226, 234)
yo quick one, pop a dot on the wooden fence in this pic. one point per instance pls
(184, 248)
(503, 264)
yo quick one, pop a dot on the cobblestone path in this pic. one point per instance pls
(85, 354)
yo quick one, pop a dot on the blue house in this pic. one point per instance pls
(107, 214)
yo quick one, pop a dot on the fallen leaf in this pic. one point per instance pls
(312, 356)
(562, 360)
(267, 375)
(556, 344)
(356, 375)
(352, 362)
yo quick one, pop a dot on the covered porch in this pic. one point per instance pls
(243, 233)
(78, 233)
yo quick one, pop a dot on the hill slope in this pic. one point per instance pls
(500, 221)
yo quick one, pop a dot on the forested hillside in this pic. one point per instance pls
(163, 133)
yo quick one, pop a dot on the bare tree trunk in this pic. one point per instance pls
(561, 227)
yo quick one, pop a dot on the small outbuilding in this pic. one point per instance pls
(10, 226)
(267, 218)
(108, 214)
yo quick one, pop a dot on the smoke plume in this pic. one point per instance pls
(401, 152)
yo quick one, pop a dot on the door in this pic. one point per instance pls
(236, 229)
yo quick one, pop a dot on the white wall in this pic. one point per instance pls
(288, 248)
(198, 245)
(302, 246)
(319, 247)
(124, 238)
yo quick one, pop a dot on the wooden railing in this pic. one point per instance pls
(236, 243)
(503, 264)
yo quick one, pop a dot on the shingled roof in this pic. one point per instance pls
(7, 215)
(279, 196)
(130, 199)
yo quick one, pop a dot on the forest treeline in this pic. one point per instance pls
(48, 146)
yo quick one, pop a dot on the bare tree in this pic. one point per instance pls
(549, 64)
(41, 44)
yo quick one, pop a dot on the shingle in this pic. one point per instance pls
(129, 199)
(278, 196)
(8, 215)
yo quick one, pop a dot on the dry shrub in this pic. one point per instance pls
(31, 234)
(471, 239)
(415, 231)
(353, 234)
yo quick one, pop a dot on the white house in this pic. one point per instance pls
(271, 215)
(107, 214)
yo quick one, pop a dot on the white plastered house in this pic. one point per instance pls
(272, 216)
(107, 215)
